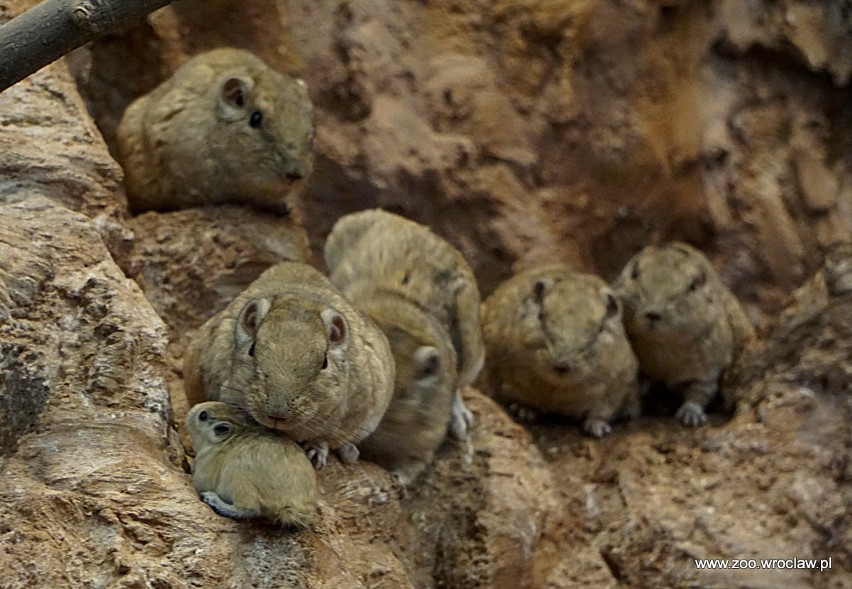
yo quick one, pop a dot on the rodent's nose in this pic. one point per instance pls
(653, 317)
(562, 368)
(294, 175)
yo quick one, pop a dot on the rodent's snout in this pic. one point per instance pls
(562, 367)
(295, 175)
(653, 317)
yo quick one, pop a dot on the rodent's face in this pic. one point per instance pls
(212, 423)
(668, 289)
(266, 135)
(579, 319)
(292, 357)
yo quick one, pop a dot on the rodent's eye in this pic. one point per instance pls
(256, 119)
(221, 429)
(324, 361)
(251, 349)
(697, 282)
(202, 416)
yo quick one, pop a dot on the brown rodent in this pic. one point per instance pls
(686, 327)
(243, 470)
(224, 128)
(299, 358)
(555, 343)
(416, 421)
(390, 252)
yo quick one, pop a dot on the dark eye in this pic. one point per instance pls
(221, 429)
(697, 282)
(251, 349)
(256, 119)
(202, 416)
(325, 361)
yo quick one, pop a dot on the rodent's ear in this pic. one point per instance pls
(336, 328)
(233, 98)
(222, 429)
(683, 248)
(428, 362)
(249, 320)
(234, 92)
(612, 305)
(634, 271)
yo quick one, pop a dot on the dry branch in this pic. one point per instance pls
(52, 28)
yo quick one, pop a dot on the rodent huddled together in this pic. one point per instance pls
(224, 128)
(556, 344)
(423, 294)
(299, 358)
(243, 470)
(686, 327)
(373, 357)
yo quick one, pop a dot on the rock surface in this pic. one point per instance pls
(521, 131)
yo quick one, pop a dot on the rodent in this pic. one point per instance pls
(685, 325)
(299, 358)
(389, 251)
(224, 128)
(416, 420)
(555, 343)
(243, 470)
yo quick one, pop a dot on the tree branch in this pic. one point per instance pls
(52, 28)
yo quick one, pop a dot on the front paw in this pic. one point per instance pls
(597, 427)
(348, 453)
(317, 453)
(691, 414)
(461, 419)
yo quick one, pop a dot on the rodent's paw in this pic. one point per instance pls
(523, 413)
(461, 419)
(597, 427)
(348, 453)
(691, 414)
(317, 453)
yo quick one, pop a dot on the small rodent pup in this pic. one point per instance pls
(224, 128)
(299, 358)
(416, 420)
(686, 327)
(391, 252)
(555, 342)
(243, 470)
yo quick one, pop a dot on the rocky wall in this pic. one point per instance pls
(521, 131)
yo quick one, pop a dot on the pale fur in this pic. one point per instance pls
(550, 319)
(416, 420)
(283, 385)
(252, 471)
(701, 327)
(390, 252)
(179, 150)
